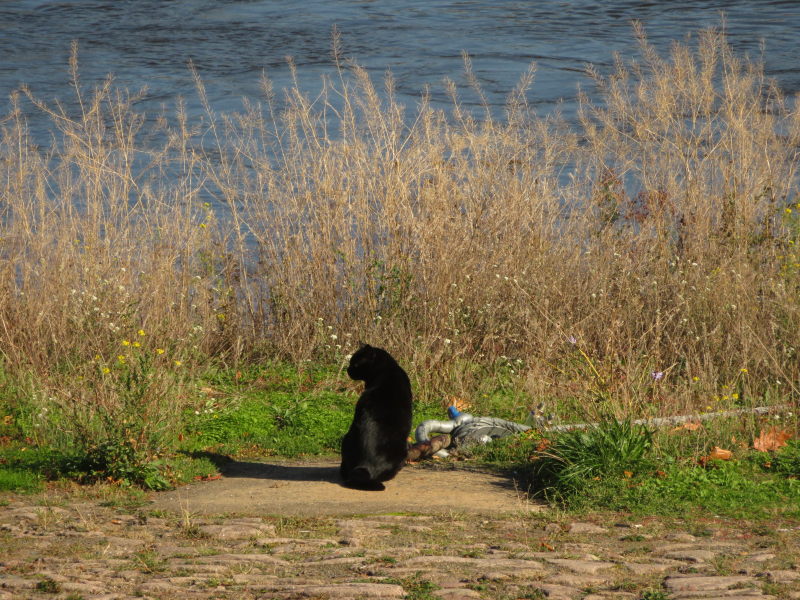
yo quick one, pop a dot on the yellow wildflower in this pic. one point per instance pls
(141, 332)
(178, 363)
(106, 370)
(126, 343)
(136, 345)
(159, 351)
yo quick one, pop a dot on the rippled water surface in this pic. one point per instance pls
(149, 42)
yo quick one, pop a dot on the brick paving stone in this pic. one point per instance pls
(576, 580)
(590, 567)
(503, 564)
(694, 583)
(243, 531)
(691, 555)
(651, 567)
(338, 590)
(586, 528)
(457, 594)
(680, 537)
(761, 557)
(556, 591)
(783, 576)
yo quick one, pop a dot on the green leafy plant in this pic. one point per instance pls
(18, 480)
(786, 460)
(612, 449)
(653, 594)
(118, 461)
(48, 586)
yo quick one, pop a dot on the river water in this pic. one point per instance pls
(149, 42)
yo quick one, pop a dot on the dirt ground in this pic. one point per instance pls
(289, 531)
(301, 488)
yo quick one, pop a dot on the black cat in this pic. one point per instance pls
(375, 447)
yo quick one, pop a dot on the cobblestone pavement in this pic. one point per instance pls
(87, 550)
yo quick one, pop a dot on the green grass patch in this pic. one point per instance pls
(23, 468)
(18, 480)
(276, 409)
(618, 467)
(276, 422)
(416, 587)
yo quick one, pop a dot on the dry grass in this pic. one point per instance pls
(658, 235)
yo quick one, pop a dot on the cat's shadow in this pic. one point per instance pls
(232, 468)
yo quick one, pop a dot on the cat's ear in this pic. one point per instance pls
(366, 348)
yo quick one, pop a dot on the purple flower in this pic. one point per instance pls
(572, 340)
(657, 375)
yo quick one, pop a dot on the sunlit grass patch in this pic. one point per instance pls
(617, 466)
(18, 480)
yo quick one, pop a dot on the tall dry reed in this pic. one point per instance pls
(645, 257)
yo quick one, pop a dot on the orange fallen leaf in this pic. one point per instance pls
(689, 426)
(543, 445)
(716, 453)
(210, 391)
(661, 474)
(208, 477)
(460, 404)
(628, 474)
(772, 439)
(547, 546)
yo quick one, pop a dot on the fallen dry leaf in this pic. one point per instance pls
(716, 453)
(211, 392)
(208, 477)
(689, 426)
(461, 404)
(772, 439)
